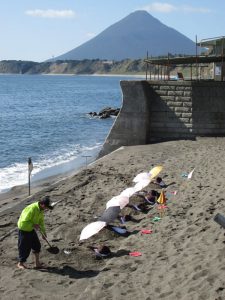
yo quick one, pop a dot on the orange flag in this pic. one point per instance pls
(162, 198)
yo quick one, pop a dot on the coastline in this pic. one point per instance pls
(20, 192)
(180, 260)
(48, 176)
(73, 74)
(118, 75)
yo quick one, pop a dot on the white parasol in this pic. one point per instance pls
(120, 200)
(91, 229)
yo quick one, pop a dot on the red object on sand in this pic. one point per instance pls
(146, 231)
(135, 253)
(162, 206)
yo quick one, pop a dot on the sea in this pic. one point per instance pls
(46, 118)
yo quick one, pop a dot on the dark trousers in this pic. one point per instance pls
(28, 241)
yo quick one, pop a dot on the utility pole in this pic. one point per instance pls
(30, 168)
(86, 156)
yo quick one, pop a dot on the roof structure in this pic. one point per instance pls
(185, 60)
(216, 41)
(213, 51)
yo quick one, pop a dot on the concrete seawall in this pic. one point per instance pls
(155, 111)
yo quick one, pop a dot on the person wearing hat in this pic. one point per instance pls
(151, 197)
(160, 182)
(101, 251)
(31, 219)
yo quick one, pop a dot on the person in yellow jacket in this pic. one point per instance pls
(31, 219)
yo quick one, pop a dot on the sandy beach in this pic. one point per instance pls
(183, 257)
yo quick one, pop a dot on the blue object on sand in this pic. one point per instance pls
(119, 230)
(220, 219)
(136, 207)
(184, 175)
(122, 220)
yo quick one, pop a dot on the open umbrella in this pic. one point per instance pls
(110, 214)
(128, 192)
(148, 176)
(120, 201)
(142, 176)
(141, 184)
(155, 171)
(91, 229)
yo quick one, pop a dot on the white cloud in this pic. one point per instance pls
(168, 8)
(160, 7)
(90, 35)
(187, 8)
(50, 13)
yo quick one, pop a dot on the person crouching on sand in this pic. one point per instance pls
(31, 218)
(160, 182)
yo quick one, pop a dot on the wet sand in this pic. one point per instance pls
(183, 258)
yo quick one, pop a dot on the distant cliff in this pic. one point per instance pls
(73, 67)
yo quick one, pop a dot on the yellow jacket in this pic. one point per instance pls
(31, 215)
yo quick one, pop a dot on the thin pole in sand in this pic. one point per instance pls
(30, 168)
(86, 156)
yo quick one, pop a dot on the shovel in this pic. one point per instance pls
(51, 249)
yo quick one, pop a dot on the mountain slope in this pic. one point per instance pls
(131, 38)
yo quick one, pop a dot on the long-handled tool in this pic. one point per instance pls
(51, 249)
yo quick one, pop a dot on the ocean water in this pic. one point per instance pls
(46, 118)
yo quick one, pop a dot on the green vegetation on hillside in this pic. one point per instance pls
(73, 67)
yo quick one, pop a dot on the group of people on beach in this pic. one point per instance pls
(31, 221)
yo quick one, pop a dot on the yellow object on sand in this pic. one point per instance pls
(162, 198)
(155, 171)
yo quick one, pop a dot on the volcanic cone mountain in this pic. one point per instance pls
(131, 38)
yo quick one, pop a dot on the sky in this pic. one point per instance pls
(36, 30)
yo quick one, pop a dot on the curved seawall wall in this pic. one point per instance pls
(155, 111)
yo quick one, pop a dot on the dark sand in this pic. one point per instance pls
(182, 259)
